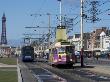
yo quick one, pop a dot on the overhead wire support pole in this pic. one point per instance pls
(60, 1)
(82, 63)
(49, 27)
(60, 13)
(49, 31)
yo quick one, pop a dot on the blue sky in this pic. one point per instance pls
(18, 15)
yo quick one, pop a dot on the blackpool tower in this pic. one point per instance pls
(3, 35)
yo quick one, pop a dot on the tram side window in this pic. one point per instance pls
(55, 51)
(69, 49)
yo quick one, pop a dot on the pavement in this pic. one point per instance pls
(100, 69)
(99, 66)
(26, 74)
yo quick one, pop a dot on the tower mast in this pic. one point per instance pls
(3, 35)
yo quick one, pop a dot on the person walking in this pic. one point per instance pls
(97, 57)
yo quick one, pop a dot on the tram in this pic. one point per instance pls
(62, 53)
(27, 53)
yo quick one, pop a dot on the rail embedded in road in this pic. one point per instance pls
(44, 75)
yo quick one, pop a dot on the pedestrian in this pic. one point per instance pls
(108, 56)
(97, 56)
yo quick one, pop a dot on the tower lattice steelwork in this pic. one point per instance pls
(3, 35)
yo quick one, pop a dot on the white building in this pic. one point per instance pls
(76, 41)
(104, 42)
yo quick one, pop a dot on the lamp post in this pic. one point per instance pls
(81, 12)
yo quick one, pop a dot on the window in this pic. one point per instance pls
(62, 49)
(107, 41)
(70, 49)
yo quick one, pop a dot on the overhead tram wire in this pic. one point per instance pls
(99, 13)
(39, 27)
(65, 15)
(77, 16)
(99, 5)
(43, 3)
(105, 2)
(39, 10)
(52, 14)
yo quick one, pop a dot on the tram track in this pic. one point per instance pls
(70, 77)
(70, 74)
(43, 75)
(65, 73)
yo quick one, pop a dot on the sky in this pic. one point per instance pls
(18, 14)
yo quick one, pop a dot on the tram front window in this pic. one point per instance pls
(61, 50)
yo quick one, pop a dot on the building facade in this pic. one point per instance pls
(94, 42)
(76, 40)
(104, 43)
